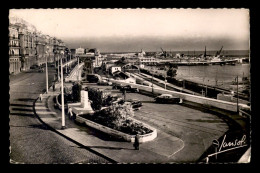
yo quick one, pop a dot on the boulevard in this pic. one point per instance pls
(31, 141)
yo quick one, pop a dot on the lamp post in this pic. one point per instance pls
(47, 72)
(62, 97)
(66, 64)
(58, 67)
(152, 79)
(237, 96)
(78, 68)
(165, 77)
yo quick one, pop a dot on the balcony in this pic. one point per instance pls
(13, 38)
(14, 56)
(13, 46)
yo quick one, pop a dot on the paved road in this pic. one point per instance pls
(31, 141)
(195, 128)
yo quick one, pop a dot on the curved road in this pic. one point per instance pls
(30, 141)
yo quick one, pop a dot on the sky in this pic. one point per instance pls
(119, 30)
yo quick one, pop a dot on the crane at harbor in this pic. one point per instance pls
(163, 54)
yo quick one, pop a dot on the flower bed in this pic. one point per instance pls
(117, 118)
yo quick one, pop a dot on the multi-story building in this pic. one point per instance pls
(147, 60)
(50, 48)
(14, 53)
(27, 46)
(40, 48)
(80, 51)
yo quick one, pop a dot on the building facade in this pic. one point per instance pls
(28, 47)
(148, 60)
(14, 50)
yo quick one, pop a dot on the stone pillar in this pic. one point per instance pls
(84, 100)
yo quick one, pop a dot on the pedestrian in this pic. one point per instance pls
(40, 97)
(137, 141)
(124, 93)
(70, 113)
(53, 86)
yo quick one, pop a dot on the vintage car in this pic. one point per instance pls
(40, 70)
(135, 104)
(34, 66)
(104, 82)
(93, 78)
(167, 98)
(117, 86)
(129, 88)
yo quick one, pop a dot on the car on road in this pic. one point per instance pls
(52, 65)
(135, 103)
(41, 70)
(117, 86)
(104, 82)
(129, 88)
(167, 98)
(145, 83)
(93, 78)
(34, 66)
(114, 99)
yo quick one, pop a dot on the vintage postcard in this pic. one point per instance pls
(129, 86)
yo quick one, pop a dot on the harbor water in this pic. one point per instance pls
(214, 74)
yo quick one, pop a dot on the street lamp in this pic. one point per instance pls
(165, 78)
(78, 69)
(237, 96)
(47, 72)
(152, 79)
(58, 66)
(62, 97)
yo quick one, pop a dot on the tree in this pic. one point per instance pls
(95, 96)
(76, 88)
(172, 72)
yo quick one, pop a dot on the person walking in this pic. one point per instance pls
(40, 97)
(70, 113)
(124, 93)
(53, 86)
(137, 141)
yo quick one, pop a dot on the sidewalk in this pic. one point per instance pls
(160, 150)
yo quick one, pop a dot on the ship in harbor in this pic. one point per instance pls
(203, 59)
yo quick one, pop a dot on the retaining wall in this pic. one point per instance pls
(207, 102)
(117, 134)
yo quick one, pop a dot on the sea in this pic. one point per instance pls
(228, 53)
(214, 74)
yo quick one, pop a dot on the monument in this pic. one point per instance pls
(82, 107)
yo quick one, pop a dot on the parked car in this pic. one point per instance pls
(167, 98)
(129, 88)
(147, 83)
(93, 78)
(115, 100)
(104, 82)
(34, 66)
(52, 65)
(117, 86)
(135, 103)
(40, 70)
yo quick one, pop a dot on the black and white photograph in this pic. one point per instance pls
(129, 86)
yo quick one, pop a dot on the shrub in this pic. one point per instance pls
(117, 117)
(76, 88)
